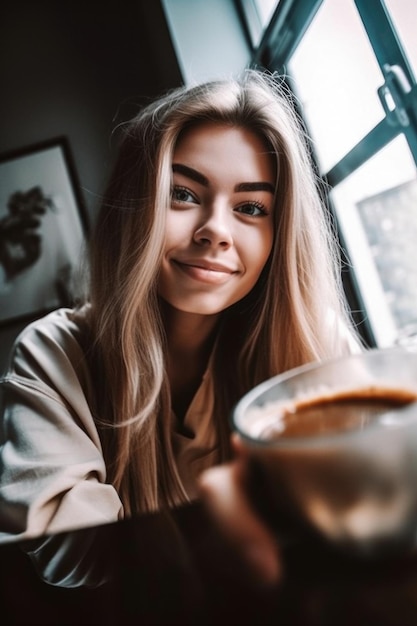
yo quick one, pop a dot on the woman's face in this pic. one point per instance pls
(219, 230)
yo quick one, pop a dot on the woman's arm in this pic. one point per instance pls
(52, 471)
(52, 475)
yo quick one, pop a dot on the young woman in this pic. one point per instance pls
(213, 267)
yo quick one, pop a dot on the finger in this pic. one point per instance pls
(222, 490)
(238, 447)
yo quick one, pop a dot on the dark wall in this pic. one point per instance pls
(77, 69)
(72, 67)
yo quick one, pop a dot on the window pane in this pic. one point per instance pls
(265, 10)
(257, 14)
(377, 211)
(336, 78)
(404, 16)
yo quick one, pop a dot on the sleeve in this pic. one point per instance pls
(52, 471)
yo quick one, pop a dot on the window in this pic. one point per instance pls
(352, 64)
(257, 15)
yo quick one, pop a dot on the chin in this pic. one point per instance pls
(200, 307)
(200, 310)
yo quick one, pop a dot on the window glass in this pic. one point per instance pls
(257, 14)
(266, 9)
(377, 212)
(404, 16)
(336, 77)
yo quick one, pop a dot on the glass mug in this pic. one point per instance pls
(335, 446)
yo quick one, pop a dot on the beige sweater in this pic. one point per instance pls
(52, 471)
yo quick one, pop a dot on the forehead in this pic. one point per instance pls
(225, 146)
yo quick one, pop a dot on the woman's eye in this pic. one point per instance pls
(181, 194)
(253, 209)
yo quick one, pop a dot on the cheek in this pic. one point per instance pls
(178, 227)
(258, 250)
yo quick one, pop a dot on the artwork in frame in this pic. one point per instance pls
(43, 230)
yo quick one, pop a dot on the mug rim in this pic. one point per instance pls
(330, 437)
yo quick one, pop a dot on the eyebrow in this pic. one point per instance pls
(189, 172)
(259, 186)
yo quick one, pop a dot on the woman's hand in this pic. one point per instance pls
(224, 492)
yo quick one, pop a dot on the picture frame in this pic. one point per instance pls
(43, 230)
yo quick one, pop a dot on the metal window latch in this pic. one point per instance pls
(391, 95)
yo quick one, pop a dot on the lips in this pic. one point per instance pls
(205, 270)
(206, 264)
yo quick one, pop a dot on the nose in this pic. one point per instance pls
(215, 229)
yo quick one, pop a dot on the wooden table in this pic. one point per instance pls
(174, 569)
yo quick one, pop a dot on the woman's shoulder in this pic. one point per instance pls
(50, 345)
(60, 327)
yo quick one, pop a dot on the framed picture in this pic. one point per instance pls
(43, 230)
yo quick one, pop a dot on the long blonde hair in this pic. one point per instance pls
(279, 325)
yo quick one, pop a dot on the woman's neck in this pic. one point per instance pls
(190, 341)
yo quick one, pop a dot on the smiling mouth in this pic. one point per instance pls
(207, 273)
